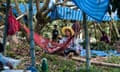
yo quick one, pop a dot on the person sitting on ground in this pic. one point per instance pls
(66, 44)
(7, 61)
(73, 46)
(104, 37)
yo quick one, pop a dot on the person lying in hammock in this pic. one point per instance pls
(41, 41)
(71, 45)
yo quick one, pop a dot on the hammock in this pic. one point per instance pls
(42, 42)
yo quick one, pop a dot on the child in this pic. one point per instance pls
(55, 33)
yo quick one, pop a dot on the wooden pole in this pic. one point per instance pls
(87, 44)
(97, 62)
(6, 24)
(32, 50)
(116, 29)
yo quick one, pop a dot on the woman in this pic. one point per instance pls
(66, 45)
(72, 46)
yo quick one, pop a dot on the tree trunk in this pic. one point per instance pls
(38, 5)
(41, 22)
(45, 6)
(41, 17)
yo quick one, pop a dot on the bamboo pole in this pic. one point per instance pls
(6, 25)
(32, 50)
(110, 30)
(97, 62)
(87, 44)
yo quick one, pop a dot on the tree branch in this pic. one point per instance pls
(37, 5)
(46, 4)
(46, 12)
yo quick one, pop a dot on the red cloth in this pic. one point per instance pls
(39, 40)
(13, 24)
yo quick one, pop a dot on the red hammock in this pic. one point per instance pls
(14, 26)
(44, 42)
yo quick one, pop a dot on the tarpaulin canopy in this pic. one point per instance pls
(67, 13)
(62, 12)
(94, 8)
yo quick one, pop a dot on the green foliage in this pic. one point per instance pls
(100, 46)
(57, 64)
(92, 69)
(95, 68)
(113, 59)
(37, 48)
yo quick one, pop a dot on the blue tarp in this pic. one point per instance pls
(94, 8)
(60, 12)
(100, 53)
(67, 13)
(23, 7)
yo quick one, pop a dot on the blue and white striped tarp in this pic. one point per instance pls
(60, 12)
(94, 8)
(67, 13)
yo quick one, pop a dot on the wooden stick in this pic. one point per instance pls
(97, 62)
(19, 17)
(116, 29)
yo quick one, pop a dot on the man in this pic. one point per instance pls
(55, 33)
